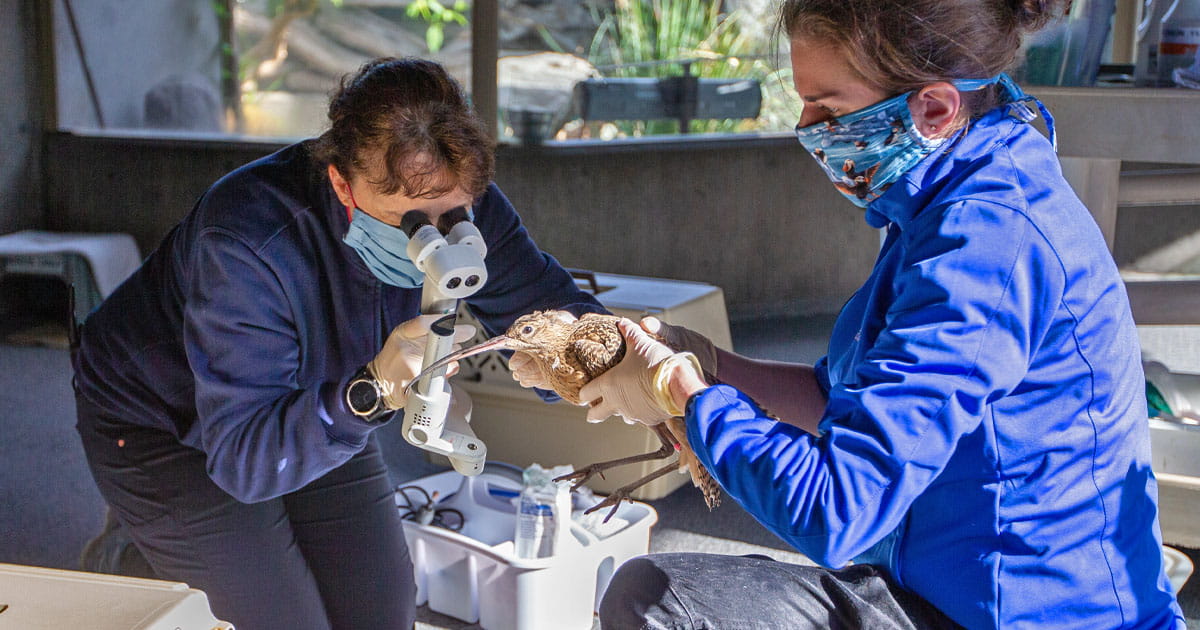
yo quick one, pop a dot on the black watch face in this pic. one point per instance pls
(362, 396)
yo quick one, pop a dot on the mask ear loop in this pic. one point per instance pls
(1018, 99)
(1019, 103)
(349, 209)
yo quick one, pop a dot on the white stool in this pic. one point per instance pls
(93, 264)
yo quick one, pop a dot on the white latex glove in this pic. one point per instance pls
(682, 339)
(525, 370)
(400, 359)
(627, 390)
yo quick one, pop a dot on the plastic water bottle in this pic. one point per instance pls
(536, 526)
(543, 513)
(1149, 31)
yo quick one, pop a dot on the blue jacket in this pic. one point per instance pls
(985, 435)
(240, 331)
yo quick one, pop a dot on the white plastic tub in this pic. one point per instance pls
(37, 598)
(474, 575)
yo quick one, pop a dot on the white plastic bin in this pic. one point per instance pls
(474, 575)
(1180, 390)
(53, 599)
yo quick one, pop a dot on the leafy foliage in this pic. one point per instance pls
(653, 38)
(437, 16)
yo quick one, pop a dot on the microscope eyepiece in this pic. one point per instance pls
(412, 221)
(451, 218)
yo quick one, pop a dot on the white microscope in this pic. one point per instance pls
(451, 257)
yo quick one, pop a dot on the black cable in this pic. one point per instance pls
(426, 513)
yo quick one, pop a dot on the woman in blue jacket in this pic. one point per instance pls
(975, 440)
(212, 385)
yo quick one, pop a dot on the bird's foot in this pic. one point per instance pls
(581, 476)
(625, 492)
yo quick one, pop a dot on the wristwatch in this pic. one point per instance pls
(364, 396)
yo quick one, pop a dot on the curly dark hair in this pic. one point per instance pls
(903, 45)
(410, 117)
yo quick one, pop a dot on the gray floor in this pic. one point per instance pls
(51, 507)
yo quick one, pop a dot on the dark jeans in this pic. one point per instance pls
(329, 556)
(695, 591)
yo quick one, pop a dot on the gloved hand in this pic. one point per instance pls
(400, 359)
(628, 389)
(682, 339)
(525, 371)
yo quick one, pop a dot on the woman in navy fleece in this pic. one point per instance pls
(211, 386)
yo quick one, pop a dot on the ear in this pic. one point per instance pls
(935, 109)
(341, 186)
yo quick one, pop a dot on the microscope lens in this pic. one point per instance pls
(472, 280)
(454, 282)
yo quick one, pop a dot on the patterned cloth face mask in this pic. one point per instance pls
(866, 151)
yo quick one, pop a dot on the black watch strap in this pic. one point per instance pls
(364, 397)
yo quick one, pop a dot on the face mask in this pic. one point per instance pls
(866, 151)
(383, 248)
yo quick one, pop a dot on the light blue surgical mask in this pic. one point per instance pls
(866, 151)
(384, 249)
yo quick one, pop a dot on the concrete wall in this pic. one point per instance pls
(20, 123)
(754, 216)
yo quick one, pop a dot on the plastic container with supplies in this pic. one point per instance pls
(36, 598)
(475, 575)
(1179, 40)
(520, 428)
(1172, 395)
(1173, 399)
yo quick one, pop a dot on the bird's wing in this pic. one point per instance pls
(597, 345)
(594, 357)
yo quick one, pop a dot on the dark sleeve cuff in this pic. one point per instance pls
(340, 423)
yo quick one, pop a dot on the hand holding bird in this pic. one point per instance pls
(568, 353)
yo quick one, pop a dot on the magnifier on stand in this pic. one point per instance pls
(454, 269)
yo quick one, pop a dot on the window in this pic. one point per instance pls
(629, 68)
(247, 67)
(266, 67)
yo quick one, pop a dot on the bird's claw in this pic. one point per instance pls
(580, 476)
(614, 500)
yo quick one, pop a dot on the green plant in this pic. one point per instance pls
(651, 38)
(437, 16)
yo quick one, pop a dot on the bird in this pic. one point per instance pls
(571, 352)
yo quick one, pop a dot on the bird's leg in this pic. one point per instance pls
(623, 493)
(669, 446)
(580, 476)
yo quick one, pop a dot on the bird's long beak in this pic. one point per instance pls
(499, 342)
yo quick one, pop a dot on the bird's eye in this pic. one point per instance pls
(527, 330)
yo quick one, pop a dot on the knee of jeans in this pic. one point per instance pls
(637, 586)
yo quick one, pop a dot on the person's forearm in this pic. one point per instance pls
(789, 391)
